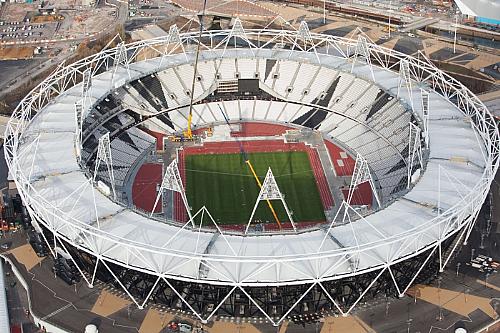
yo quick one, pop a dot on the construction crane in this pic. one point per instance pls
(252, 170)
(188, 133)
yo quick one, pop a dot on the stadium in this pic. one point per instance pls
(273, 173)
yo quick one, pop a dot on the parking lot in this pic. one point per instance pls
(140, 9)
(16, 31)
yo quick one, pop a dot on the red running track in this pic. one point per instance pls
(230, 147)
(247, 129)
(260, 129)
(362, 194)
(180, 213)
(348, 168)
(144, 187)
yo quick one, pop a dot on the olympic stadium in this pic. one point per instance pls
(243, 172)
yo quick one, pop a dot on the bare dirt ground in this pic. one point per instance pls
(16, 53)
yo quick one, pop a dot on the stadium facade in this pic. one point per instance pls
(426, 144)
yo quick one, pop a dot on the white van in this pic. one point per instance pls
(185, 328)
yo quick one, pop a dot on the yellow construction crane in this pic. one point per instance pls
(188, 134)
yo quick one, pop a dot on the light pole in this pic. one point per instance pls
(390, 10)
(324, 11)
(440, 317)
(409, 320)
(455, 38)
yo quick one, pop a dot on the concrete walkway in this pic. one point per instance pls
(334, 183)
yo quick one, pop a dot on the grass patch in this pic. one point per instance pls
(225, 185)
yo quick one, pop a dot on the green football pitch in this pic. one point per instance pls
(225, 185)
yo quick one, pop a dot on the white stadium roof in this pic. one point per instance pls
(57, 178)
(482, 8)
(41, 152)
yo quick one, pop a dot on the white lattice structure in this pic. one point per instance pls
(104, 157)
(270, 191)
(362, 175)
(172, 181)
(404, 229)
(415, 156)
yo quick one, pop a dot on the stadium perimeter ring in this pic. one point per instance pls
(272, 275)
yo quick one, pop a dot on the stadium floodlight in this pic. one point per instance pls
(362, 51)
(304, 40)
(270, 191)
(173, 35)
(425, 115)
(104, 156)
(172, 181)
(304, 33)
(360, 175)
(237, 31)
(172, 44)
(86, 91)
(78, 126)
(415, 158)
(86, 81)
(120, 59)
(405, 79)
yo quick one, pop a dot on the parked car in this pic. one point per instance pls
(185, 328)
(6, 245)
